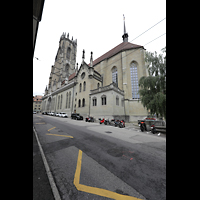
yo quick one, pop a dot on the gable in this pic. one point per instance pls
(121, 47)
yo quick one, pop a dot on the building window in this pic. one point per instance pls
(114, 75)
(68, 52)
(69, 99)
(103, 100)
(94, 101)
(79, 103)
(61, 102)
(122, 102)
(117, 100)
(83, 102)
(66, 99)
(134, 81)
(58, 102)
(84, 86)
(98, 85)
(80, 87)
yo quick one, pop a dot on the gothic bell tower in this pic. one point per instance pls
(65, 60)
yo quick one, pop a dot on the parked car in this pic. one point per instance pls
(44, 113)
(58, 115)
(63, 114)
(52, 113)
(34, 112)
(76, 116)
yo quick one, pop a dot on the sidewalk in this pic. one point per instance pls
(41, 187)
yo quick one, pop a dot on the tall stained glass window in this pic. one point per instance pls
(134, 81)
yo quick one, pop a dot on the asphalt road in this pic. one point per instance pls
(93, 161)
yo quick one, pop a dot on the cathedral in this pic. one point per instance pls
(107, 87)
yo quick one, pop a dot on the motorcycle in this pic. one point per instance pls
(142, 126)
(107, 122)
(122, 124)
(101, 121)
(117, 122)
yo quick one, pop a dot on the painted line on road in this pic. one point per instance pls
(94, 190)
(51, 128)
(60, 135)
(50, 177)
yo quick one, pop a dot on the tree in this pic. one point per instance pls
(153, 87)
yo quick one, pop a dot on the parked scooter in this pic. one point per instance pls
(142, 126)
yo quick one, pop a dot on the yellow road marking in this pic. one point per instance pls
(94, 190)
(51, 128)
(59, 135)
(39, 123)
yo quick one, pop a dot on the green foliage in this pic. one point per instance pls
(153, 87)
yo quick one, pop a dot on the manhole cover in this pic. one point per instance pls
(108, 132)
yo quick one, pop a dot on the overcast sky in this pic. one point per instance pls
(98, 27)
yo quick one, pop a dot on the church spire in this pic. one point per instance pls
(125, 36)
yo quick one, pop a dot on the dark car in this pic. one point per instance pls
(76, 116)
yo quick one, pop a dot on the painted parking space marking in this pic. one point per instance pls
(51, 128)
(60, 135)
(94, 190)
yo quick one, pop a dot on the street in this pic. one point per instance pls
(93, 161)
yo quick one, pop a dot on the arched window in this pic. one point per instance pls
(84, 86)
(61, 102)
(68, 52)
(134, 81)
(114, 75)
(94, 101)
(80, 87)
(67, 69)
(117, 100)
(79, 103)
(103, 100)
(83, 102)
(66, 99)
(58, 102)
(69, 99)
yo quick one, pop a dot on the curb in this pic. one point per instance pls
(50, 177)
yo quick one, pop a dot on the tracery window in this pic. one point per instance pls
(117, 100)
(61, 102)
(79, 103)
(94, 101)
(134, 81)
(69, 99)
(114, 75)
(83, 103)
(68, 52)
(103, 100)
(84, 86)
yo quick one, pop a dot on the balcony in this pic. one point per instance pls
(112, 86)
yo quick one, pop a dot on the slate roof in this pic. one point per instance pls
(121, 47)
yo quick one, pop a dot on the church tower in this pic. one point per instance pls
(65, 61)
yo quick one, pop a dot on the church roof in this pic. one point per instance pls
(121, 47)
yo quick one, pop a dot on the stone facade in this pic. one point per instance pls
(105, 88)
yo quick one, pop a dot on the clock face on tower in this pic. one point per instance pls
(83, 75)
